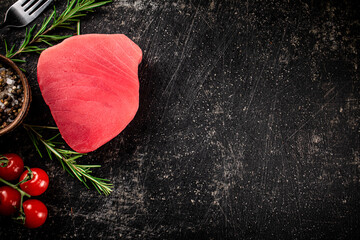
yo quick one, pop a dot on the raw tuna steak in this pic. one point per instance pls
(91, 85)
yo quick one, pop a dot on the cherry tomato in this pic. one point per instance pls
(35, 213)
(37, 184)
(9, 200)
(13, 168)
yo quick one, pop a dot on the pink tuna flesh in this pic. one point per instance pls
(91, 86)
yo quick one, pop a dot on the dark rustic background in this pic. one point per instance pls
(248, 126)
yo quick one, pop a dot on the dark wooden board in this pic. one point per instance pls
(248, 126)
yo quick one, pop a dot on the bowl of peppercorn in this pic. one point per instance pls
(15, 95)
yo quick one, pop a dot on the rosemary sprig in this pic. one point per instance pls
(75, 9)
(67, 159)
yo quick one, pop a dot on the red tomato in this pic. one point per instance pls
(9, 200)
(13, 168)
(35, 213)
(37, 184)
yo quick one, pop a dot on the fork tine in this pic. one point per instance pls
(36, 10)
(27, 4)
(21, 1)
(34, 6)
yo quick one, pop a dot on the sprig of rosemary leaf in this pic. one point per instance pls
(67, 159)
(75, 9)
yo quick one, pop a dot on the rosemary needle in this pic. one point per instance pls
(68, 159)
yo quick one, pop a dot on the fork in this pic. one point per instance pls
(24, 12)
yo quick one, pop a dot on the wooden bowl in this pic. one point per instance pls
(6, 62)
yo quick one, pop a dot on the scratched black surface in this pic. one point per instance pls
(248, 126)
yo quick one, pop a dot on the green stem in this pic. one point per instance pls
(29, 176)
(4, 161)
(22, 214)
(39, 126)
(21, 217)
(14, 187)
